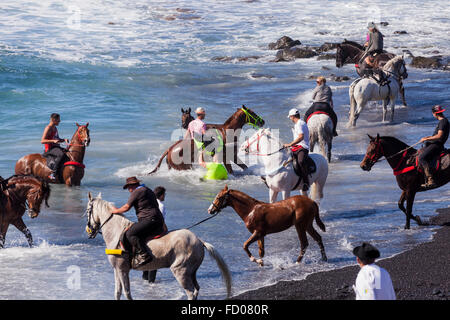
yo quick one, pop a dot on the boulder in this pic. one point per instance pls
(293, 53)
(327, 46)
(400, 32)
(427, 62)
(283, 43)
(327, 56)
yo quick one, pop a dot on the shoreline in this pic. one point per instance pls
(420, 273)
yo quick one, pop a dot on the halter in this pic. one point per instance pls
(249, 117)
(264, 132)
(221, 205)
(94, 230)
(377, 154)
(78, 137)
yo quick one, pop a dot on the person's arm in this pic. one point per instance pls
(297, 140)
(435, 137)
(122, 209)
(44, 139)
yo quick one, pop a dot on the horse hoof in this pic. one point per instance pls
(260, 262)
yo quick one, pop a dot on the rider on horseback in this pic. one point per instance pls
(50, 138)
(434, 145)
(374, 46)
(300, 145)
(322, 102)
(150, 220)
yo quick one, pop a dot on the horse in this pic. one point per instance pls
(279, 171)
(180, 156)
(364, 90)
(320, 127)
(21, 192)
(402, 159)
(351, 52)
(263, 218)
(180, 250)
(73, 170)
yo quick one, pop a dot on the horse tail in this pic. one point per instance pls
(317, 217)
(226, 275)
(159, 162)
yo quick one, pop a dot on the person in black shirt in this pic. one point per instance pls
(434, 145)
(150, 220)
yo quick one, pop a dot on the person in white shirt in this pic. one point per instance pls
(372, 282)
(300, 145)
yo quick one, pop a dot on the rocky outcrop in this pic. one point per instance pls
(427, 62)
(284, 42)
(293, 53)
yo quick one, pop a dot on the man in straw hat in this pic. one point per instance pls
(150, 220)
(434, 145)
(372, 282)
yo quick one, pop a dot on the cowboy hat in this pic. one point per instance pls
(130, 181)
(366, 251)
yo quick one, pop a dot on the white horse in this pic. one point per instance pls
(279, 170)
(180, 250)
(364, 90)
(320, 128)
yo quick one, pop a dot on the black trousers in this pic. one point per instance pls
(142, 229)
(428, 153)
(324, 107)
(301, 157)
(54, 157)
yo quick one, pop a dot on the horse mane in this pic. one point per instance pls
(231, 118)
(353, 43)
(395, 141)
(30, 179)
(391, 63)
(245, 196)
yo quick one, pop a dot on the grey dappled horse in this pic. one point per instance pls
(180, 250)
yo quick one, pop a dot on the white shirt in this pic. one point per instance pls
(162, 208)
(373, 283)
(299, 128)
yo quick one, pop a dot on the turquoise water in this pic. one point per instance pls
(128, 68)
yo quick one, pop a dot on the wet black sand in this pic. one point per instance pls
(422, 273)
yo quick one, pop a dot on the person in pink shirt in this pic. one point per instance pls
(196, 130)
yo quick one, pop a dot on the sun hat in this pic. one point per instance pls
(293, 112)
(366, 251)
(131, 181)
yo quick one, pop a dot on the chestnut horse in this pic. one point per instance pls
(402, 159)
(351, 52)
(73, 170)
(21, 192)
(264, 218)
(175, 153)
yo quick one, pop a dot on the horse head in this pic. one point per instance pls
(373, 154)
(186, 118)
(38, 191)
(220, 201)
(397, 67)
(251, 117)
(346, 51)
(82, 134)
(341, 56)
(93, 221)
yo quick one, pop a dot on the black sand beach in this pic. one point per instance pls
(422, 273)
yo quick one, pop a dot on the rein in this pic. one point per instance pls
(257, 146)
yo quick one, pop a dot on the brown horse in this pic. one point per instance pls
(178, 160)
(21, 192)
(264, 218)
(73, 170)
(402, 159)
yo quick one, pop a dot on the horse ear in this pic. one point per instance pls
(370, 137)
(182, 110)
(99, 196)
(189, 110)
(87, 124)
(226, 187)
(378, 136)
(90, 196)
(77, 124)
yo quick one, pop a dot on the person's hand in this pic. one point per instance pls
(423, 139)
(286, 145)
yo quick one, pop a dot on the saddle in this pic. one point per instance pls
(436, 163)
(129, 251)
(310, 165)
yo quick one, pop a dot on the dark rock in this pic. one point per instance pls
(328, 56)
(400, 32)
(238, 59)
(283, 43)
(436, 291)
(426, 62)
(325, 68)
(327, 46)
(293, 53)
(339, 78)
(384, 23)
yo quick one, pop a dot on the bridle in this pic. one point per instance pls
(222, 203)
(257, 140)
(249, 118)
(79, 138)
(94, 230)
(375, 157)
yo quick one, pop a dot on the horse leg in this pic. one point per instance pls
(261, 247)
(330, 144)
(273, 195)
(392, 102)
(185, 280)
(409, 206)
(255, 236)
(228, 167)
(401, 202)
(118, 285)
(20, 225)
(125, 283)
(402, 93)
(385, 103)
(4, 229)
(285, 194)
(303, 241)
(316, 236)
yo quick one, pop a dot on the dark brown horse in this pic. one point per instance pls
(21, 192)
(351, 52)
(180, 156)
(73, 170)
(402, 159)
(264, 218)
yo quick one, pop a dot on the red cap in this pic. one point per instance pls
(437, 109)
